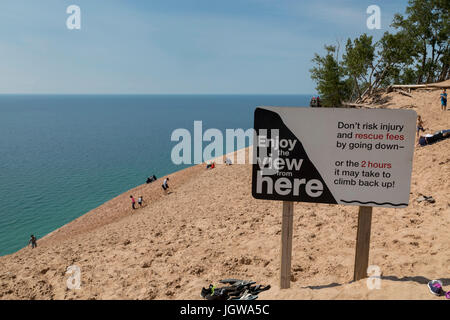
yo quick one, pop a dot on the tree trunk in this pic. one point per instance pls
(357, 87)
(424, 62)
(431, 71)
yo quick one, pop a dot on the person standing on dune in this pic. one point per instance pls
(133, 202)
(33, 242)
(444, 100)
(419, 125)
(165, 184)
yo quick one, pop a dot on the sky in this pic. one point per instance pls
(175, 46)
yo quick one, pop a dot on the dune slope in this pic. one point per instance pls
(210, 228)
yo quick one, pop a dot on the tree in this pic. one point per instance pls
(328, 74)
(418, 52)
(396, 53)
(357, 60)
(427, 27)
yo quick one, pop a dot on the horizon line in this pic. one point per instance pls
(148, 94)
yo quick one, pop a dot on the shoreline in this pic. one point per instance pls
(77, 226)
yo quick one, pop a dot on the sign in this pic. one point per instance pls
(357, 157)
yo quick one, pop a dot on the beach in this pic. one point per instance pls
(210, 227)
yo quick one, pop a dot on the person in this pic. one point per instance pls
(432, 138)
(33, 242)
(419, 125)
(228, 161)
(151, 179)
(312, 103)
(444, 100)
(140, 200)
(133, 202)
(165, 184)
(318, 101)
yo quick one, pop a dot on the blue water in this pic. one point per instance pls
(63, 155)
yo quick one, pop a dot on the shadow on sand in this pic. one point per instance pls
(417, 279)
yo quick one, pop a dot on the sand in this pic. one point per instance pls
(210, 228)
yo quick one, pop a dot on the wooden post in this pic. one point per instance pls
(362, 243)
(286, 244)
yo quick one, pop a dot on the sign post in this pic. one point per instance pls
(362, 243)
(359, 157)
(286, 244)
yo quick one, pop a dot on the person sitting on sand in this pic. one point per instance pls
(33, 242)
(432, 138)
(165, 184)
(133, 202)
(151, 179)
(211, 165)
(419, 125)
(228, 161)
(424, 140)
(444, 100)
(140, 200)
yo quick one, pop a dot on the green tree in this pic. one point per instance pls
(427, 26)
(358, 62)
(396, 53)
(328, 73)
(418, 52)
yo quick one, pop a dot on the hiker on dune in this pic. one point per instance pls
(444, 100)
(165, 184)
(419, 125)
(33, 242)
(133, 202)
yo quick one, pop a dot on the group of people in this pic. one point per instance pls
(140, 200)
(151, 179)
(212, 165)
(427, 139)
(133, 202)
(315, 102)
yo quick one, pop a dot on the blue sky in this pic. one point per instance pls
(168, 46)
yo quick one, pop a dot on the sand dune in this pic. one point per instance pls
(210, 228)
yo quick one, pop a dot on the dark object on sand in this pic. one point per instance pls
(425, 198)
(151, 179)
(236, 290)
(435, 287)
(437, 136)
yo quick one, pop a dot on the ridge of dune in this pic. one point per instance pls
(210, 228)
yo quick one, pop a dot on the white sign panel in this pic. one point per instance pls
(338, 156)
